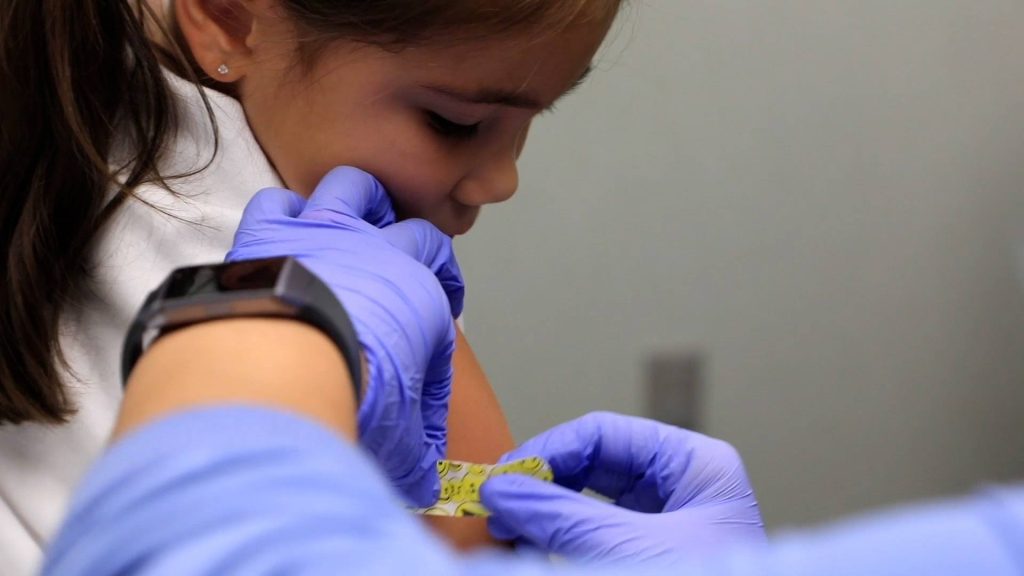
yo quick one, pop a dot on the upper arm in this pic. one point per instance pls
(477, 428)
(477, 432)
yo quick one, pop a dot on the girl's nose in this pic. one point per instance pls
(494, 182)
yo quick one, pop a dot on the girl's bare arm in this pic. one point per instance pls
(477, 432)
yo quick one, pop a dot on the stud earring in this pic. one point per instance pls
(223, 69)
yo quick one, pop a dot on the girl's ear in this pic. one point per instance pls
(219, 33)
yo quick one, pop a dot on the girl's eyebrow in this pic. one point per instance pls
(490, 96)
(512, 98)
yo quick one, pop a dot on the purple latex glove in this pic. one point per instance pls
(677, 494)
(401, 286)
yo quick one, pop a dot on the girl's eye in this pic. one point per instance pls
(449, 129)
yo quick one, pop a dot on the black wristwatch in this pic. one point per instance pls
(274, 287)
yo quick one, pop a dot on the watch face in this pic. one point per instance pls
(232, 277)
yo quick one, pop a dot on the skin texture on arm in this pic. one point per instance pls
(239, 361)
(477, 432)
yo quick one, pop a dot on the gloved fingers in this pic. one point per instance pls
(552, 517)
(634, 461)
(526, 549)
(501, 530)
(346, 193)
(742, 523)
(271, 203)
(436, 394)
(712, 473)
(649, 466)
(600, 450)
(266, 206)
(435, 419)
(423, 486)
(396, 441)
(422, 241)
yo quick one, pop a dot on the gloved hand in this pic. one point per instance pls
(677, 493)
(401, 286)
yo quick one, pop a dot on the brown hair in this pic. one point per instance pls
(77, 74)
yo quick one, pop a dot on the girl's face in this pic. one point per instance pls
(441, 127)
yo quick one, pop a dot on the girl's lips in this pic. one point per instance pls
(457, 220)
(463, 220)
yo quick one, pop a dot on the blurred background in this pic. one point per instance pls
(810, 213)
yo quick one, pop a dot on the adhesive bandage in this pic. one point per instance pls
(461, 481)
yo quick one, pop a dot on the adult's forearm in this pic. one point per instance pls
(238, 490)
(257, 491)
(247, 490)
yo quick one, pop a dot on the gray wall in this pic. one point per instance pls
(824, 197)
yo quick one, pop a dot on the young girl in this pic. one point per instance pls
(131, 137)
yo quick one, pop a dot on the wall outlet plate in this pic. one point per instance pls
(675, 382)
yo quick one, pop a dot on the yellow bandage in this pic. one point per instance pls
(461, 481)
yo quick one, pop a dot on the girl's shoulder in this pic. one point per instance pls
(210, 161)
